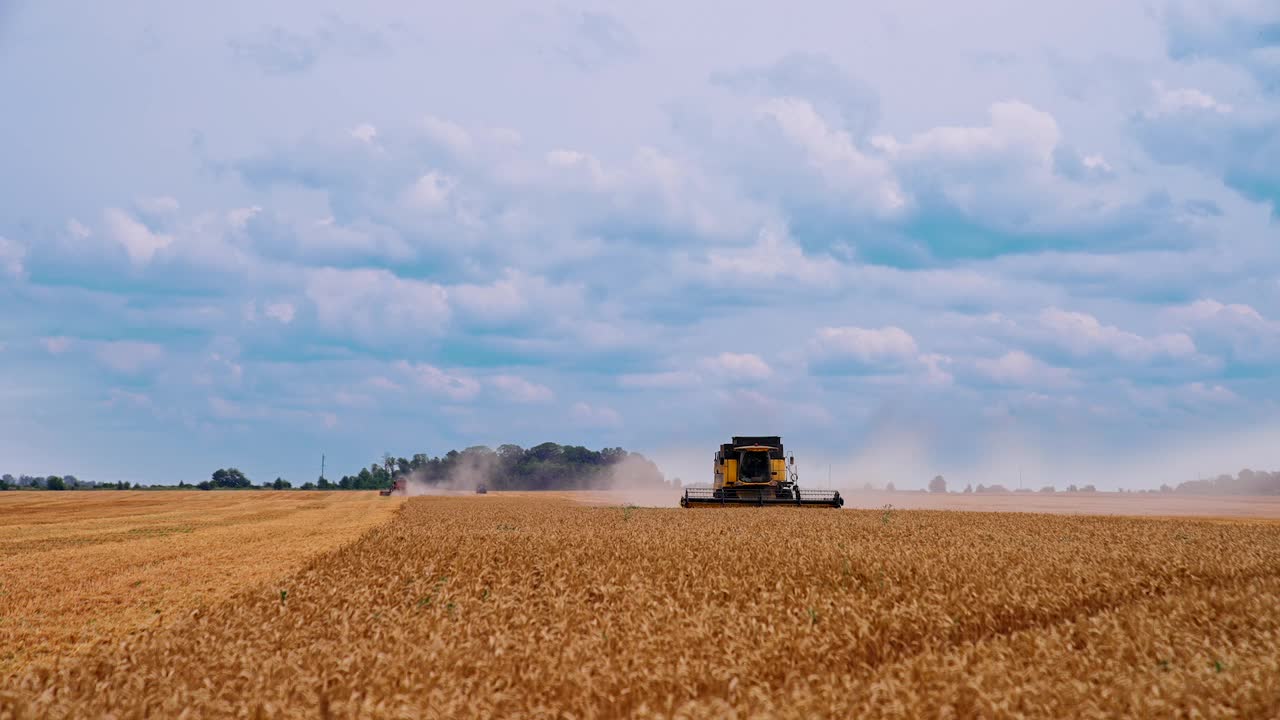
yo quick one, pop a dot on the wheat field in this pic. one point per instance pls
(77, 568)
(509, 606)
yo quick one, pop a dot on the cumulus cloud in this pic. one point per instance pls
(281, 51)
(1171, 101)
(77, 229)
(281, 312)
(157, 205)
(774, 257)
(1018, 368)
(668, 380)
(1238, 142)
(56, 345)
(865, 346)
(815, 78)
(129, 356)
(517, 389)
(376, 305)
(513, 295)
(430, 192)
(137, 239)
(446, 133)
(862, 179)
(1237, 329)
(595, 415)
(365, 133)
(11, 258)
(1236, 31)
(1082, 334)
(446, 384)
(588, 40)
(737, 367)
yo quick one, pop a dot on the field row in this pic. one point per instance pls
(77, 568)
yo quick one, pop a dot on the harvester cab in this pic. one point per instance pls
(754, 470)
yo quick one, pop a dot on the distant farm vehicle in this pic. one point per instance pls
(399, 487)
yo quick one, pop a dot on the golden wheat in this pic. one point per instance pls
(528, 607)
(79, 567)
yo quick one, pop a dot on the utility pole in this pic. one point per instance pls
(321, 466)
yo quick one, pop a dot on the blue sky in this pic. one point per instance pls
(910, 238)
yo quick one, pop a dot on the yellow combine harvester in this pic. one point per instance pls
(754, 470)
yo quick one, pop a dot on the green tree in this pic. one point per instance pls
(230, 478)
(937, 484)
(205, 485)
(53, 482)
(281, 484)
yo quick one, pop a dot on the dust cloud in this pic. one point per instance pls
(470, 472)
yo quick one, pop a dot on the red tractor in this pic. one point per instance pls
(398, 487)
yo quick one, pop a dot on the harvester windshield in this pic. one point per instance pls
(753, 466)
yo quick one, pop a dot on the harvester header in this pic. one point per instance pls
(755, 470)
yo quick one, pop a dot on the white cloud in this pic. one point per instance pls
(446, 133)
(1212, 310)
(1235, 328)
(375, 305)
(128, 356)
(738, 367)
(511, 296)
(77, 229)
(671, 380)
(157, 205)
(1083, 334)
(1018, 368)
(1016, 129)
(365, 133)
(137, 239)
(281, 312)
(451, 385)
(867, 346)
(1176, 100)
(774, 256)
(935, 371)
(12, 256)
(431, 192)
(239, 217)
(595, 415)
(865, 180)
(56, 345)
(520, 390)
(118, 397)
(579, 168)
(1211, 392)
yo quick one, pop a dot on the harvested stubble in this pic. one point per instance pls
(518, 607)
(78, 567)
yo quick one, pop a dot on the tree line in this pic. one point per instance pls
(548, 466)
